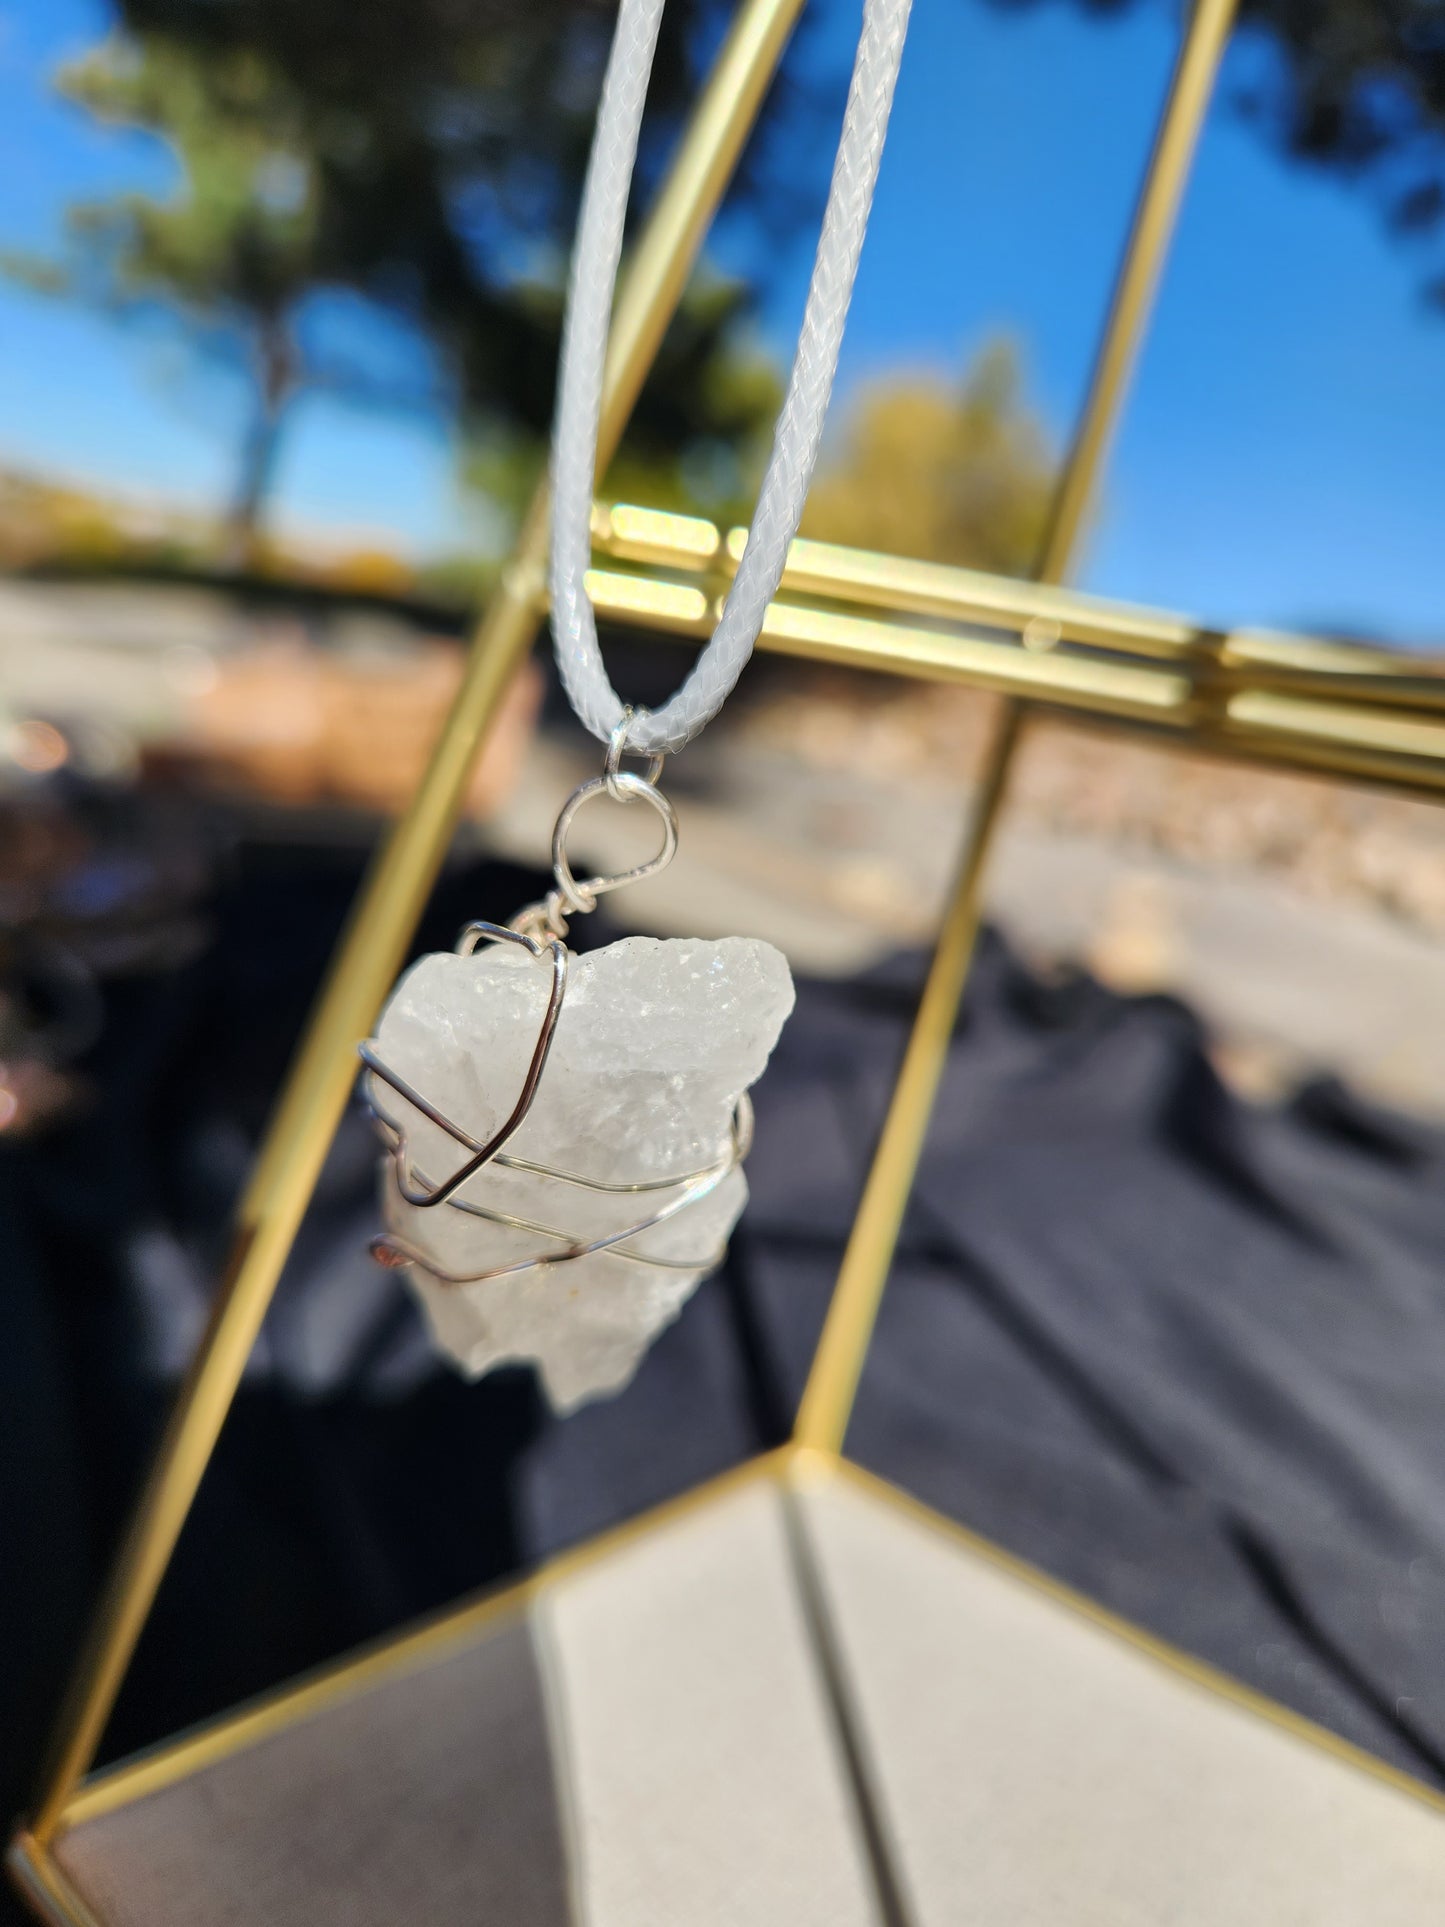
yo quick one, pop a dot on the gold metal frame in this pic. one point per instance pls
(45, 1884)
(1287, 702)
(1256, 696)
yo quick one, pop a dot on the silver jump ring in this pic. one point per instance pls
(617, 749)
(580, 896)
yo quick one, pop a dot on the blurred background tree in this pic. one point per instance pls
(429, 159)
(232, 253)
(958, 473)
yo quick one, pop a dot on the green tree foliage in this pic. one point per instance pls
(702, 434)
(427, 157)
(946, 472)
(231, 252)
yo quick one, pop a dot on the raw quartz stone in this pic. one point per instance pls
(656, 1042)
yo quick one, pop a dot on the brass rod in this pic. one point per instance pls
(1151, 692)
(838, 1363)
(900, 585)
(971, 595)
(1165, 179)
(387, 909)
(1384, 730)
(414, 1647)
(1410, 776)
(1379, 730)
(1128, 689)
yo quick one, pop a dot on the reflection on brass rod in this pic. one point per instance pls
(1269, 721)
(1332, 722)
(386, 913)
(1121, 689)
(1312, 756)
(645, 603)
(833, 1381)
(901, 585)
(971, 595)
(1265, 648)
(1405, 692)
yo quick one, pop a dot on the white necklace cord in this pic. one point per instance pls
(800, 424)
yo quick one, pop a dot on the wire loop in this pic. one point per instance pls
(574, 896)
(580, 896)
(617, 749)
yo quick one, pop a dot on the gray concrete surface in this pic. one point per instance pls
(838, 872)
(839, 869)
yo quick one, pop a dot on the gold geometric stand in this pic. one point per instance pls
(1031, 1757)
(971, 1744)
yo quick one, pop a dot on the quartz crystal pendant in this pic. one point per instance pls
(636, 1121)
(566, 1133)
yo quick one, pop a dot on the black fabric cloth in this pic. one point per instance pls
(1185, 1353)
(357, 1483)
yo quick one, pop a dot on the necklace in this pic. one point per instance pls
(565, 1134)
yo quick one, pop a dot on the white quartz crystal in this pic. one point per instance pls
(655, 1043)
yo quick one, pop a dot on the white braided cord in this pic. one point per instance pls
(800, 424)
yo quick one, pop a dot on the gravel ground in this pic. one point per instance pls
(1304, 919)
(1297, 918)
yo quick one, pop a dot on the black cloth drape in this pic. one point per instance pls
(1186, 1353)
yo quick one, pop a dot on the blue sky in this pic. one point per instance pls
(1283, 457)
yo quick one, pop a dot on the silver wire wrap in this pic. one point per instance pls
(800, 424)
(540, 930)
(416, 1188)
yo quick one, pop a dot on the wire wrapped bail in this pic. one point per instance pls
(574, 896)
